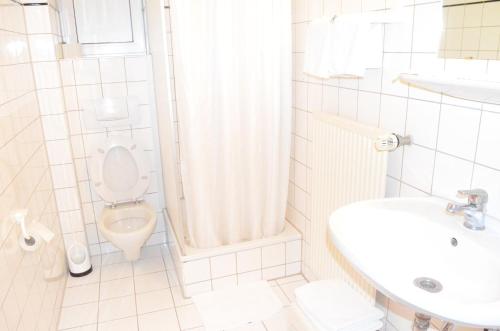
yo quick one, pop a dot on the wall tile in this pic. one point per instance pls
(418, 167)
(450, 175)
(489, 140)
(112, 69)
(223, 265)
(86, 71)
(458, 131)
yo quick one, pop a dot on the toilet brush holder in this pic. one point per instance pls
(78, 260)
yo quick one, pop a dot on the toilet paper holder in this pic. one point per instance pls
(31, 240)
(19, 217)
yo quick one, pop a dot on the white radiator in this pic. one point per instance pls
(346, 168)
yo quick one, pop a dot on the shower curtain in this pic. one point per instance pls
(233, 80)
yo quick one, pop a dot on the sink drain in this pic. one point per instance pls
(428, 284)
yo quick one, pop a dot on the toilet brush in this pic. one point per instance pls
(78, 259)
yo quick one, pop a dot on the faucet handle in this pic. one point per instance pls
(477, 197)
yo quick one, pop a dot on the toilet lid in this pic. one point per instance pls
(120, 172)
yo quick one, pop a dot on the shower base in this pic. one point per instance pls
(203, 270)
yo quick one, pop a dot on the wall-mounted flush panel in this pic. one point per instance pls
(109, 112)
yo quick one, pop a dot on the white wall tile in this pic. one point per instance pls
(450, 175)
(458, 131)
(418, 167)
(489, 140)
(293, 251)
(59, 152)
(249, 260)
(393, 113)
(273, 255)
(67, 72)
(196, 271)
(223, 265)
(422, 122)
(488, 179)
(37, 19)
(86, 71)
(112, 69)
(369, 108)
(137, 68)
(274, 272)
(348, 103)
(47, 74)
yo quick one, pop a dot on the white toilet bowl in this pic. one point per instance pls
(128, 227)
(121, 176)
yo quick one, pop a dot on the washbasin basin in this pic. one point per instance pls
(416, 253)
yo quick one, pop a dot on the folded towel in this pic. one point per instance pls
(361, 326)
(336, 306)
(318, 54)
(344, 46)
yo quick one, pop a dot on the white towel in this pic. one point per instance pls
(335, 306)
(344, 46)
(237, 306)
(318, 54)
(361, 326)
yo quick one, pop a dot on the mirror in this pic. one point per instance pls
(471, 29)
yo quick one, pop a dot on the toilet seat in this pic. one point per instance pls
(120, 171)
(121, 174)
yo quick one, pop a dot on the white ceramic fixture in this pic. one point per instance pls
(121, 175)
(394, 242)
(481, 89)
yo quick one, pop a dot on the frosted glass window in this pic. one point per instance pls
(103, 21)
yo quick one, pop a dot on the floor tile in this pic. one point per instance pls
(151, 282)
(172, 278)
(116, 271)
(79, 315)
(154, 301)
(290, 279)
(179, 299)
(117, 308)
(169, 262)
(125, 324)
(113, 258)
(141, 296)
(287, 320)
(92, 327)
(281, 295)
(116, 288)
(163, 320)
(189, 317)
(81, 294)
(250, 327)
(289, 288)
(149, 265)
(152, 251)
(93, 277)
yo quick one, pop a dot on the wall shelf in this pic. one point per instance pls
(471, 89)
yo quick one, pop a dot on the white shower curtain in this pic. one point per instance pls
(233, 78)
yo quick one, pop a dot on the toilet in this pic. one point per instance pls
(121, 175)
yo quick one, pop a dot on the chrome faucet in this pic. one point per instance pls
(474, 210)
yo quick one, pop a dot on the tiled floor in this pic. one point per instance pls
(145, 296)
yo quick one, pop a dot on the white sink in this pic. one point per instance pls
(392, 242)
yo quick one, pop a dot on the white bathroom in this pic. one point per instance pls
(239, 165)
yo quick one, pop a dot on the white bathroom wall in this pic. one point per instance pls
(85, 80)
(28, 300)
(455, 141)
(65, 89)
(42, 22)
